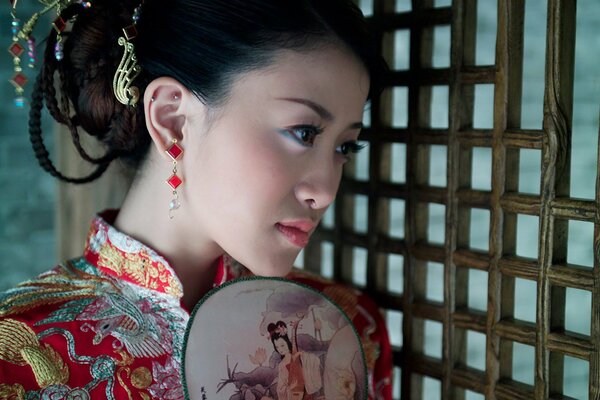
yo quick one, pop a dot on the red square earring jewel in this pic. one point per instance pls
(175, 152)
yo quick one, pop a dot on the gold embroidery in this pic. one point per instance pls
(11, 392)
(139, 268)
(64, 283)
(126, 358)
(110, 258)
(141, 378)
(19, 345)
(14, 336)
(126, 370)
(47, 365)
(145, 396)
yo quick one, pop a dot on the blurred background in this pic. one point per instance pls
(29, 196)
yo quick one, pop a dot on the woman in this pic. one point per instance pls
(298, 373)
(248, 109)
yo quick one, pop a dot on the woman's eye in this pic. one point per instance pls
(350, 148)
(303, 134)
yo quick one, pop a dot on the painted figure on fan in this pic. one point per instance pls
(299, 373)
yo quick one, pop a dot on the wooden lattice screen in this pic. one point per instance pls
(347, 238)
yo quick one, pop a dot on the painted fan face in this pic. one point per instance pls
(270, 338)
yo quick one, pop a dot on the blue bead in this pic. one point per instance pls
(20, 102)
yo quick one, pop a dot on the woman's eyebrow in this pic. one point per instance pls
(319, 109)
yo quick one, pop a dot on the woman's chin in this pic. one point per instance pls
(272, 270)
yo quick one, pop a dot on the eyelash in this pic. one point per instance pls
(313, 131)
(353, 147)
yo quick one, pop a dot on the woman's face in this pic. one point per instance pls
(281, 346)
(259, 179)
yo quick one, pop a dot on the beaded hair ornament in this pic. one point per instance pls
(126, 73)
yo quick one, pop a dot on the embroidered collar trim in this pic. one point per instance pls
(120, 255)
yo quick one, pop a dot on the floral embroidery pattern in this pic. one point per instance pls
(122, 256)
(167, 384)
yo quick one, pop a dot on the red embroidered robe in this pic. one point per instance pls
(111, 325)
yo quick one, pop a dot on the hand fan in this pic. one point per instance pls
(271, 339)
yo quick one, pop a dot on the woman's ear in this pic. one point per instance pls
(164, 109)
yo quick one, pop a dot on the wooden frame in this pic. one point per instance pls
(552, 206)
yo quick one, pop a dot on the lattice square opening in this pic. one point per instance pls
(534, 55)
(481, 173)
(578, 311)
(435, 281)
(359, 266)
(397, 212)
(480, 228)
(441, 46)
(433, 339)
(397, 383)
(394, 323)
(524, 307)
(328, 219)
(432, 388)
(299, 261)
(477, 290)
(439, 106)
(476, 350)
(580, 250)
(530, 167)
(483, 107)
(366, 6)
(398, 173)
(395, 276)
(586, 97)
(327, 259)
(401, 59)
(470, 395)
(442, 3)
(360, 163)
(487, 22)
(576, 377)
(403, 6)
(400, 107)
(527, 235)
(436, 231)
(361, 213)
(438, 159)
(523, 363)
(366, 120)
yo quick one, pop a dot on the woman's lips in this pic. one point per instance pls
(298, 234)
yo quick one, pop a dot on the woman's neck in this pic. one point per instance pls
(144, 216)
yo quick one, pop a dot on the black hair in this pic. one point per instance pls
(204, 44)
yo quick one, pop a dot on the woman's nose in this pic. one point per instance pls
(319, 186)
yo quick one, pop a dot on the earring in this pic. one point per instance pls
(175, 152)
(59, 26)
(16, 50)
